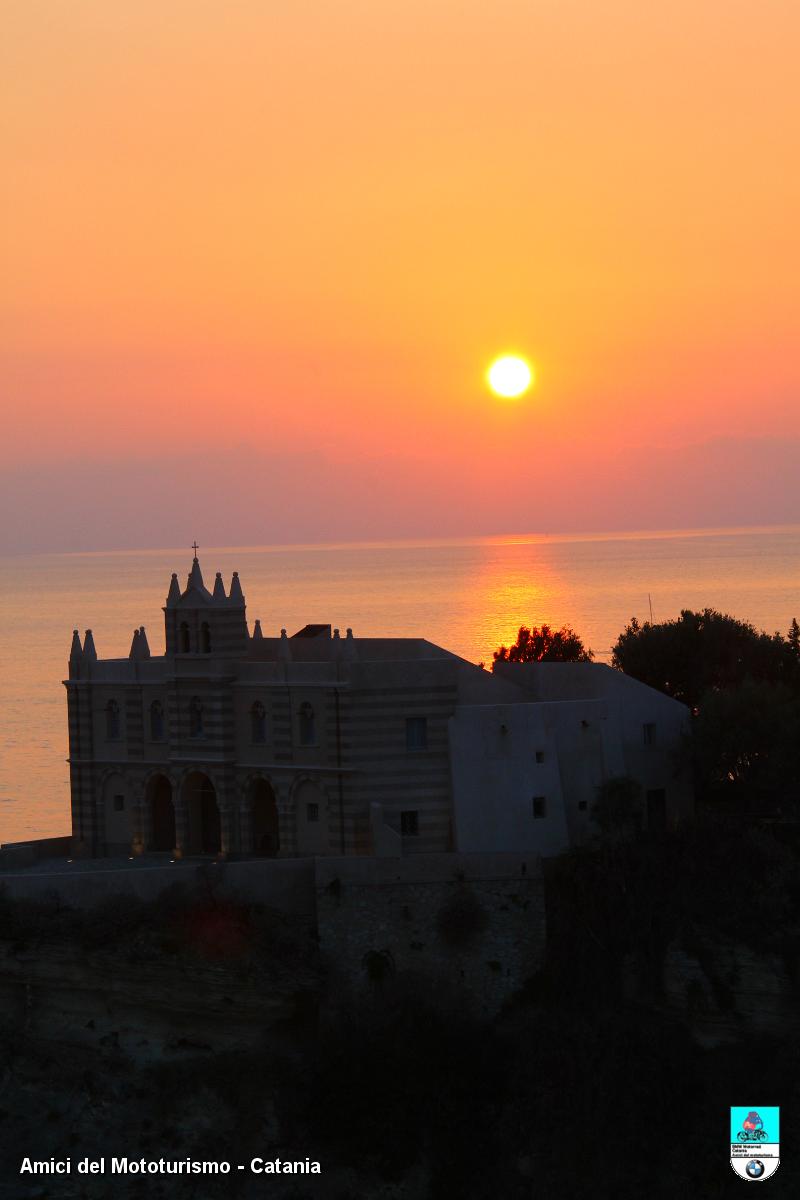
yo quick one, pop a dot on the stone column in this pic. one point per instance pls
(287, 826)
(227, 826)
(245, 827)
(181, 829)
(140, 835)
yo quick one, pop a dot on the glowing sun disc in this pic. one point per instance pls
(509, 376)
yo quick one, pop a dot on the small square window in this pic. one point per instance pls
(119, 804)
(582, 806)
(539, 806)
(416, 733)
(649, 733)
(312, 812)
(540, 756)
(409, 823)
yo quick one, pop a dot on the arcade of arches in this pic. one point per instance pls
(203, 833)
(199, 829)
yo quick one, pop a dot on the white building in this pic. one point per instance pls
(526, 772)
(237, 743)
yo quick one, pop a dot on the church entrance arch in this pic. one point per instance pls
(158, 797)
(264, 815)
(205, 827)
(311, 818)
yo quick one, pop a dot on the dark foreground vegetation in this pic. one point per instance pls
(598, 1079)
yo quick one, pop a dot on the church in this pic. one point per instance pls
(233, 743)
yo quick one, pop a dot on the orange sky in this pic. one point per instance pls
(271, 228)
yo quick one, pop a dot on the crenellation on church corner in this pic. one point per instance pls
(233, 743)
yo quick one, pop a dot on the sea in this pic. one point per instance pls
(469, 595)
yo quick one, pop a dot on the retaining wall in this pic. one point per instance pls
(471, 924)
(286, 884)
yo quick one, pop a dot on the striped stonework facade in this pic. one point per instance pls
(234, 743)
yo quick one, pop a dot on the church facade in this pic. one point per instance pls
(234, 743)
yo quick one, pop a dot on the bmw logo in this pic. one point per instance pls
(755, 1168)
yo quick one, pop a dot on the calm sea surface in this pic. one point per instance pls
(469, 596)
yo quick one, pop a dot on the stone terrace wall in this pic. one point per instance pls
(471, 924)
(464, 928)
(22, 854)
(286, 884)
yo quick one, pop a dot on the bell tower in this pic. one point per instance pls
(203, 623)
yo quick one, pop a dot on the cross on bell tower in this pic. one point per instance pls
(195, 547)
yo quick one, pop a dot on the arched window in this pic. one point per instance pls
(308, 736)
(258, 723)
(183, 640)
(195, 718)
(205, 638)
(157, 721)
(112, 721)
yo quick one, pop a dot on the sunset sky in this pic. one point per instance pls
(255, 259)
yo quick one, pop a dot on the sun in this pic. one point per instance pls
(509, 376)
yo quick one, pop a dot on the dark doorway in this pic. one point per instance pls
(211, 836)
(264, 810)
(205, 827)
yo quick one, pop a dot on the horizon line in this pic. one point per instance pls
(422, 542)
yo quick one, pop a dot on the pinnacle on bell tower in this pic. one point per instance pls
(75, 656)
(174, 593)
(236, 596)
(195, 580)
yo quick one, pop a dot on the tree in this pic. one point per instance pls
(703, 652)
(793, 637)
(746, 744)
(618, 812)
(545, 645)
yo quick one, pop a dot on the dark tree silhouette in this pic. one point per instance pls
(746, 744)
(619, 809)
(793, 637)
(545, 645)
(703, 652)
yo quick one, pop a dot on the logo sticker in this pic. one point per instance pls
(755, 1142)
